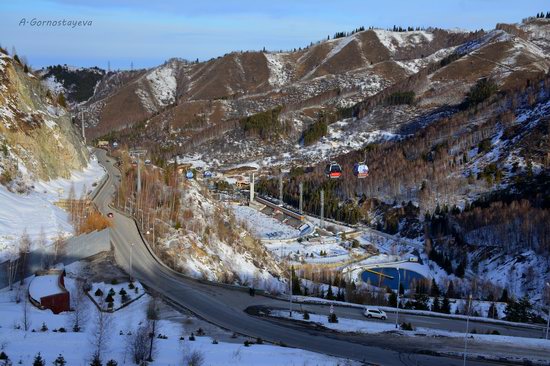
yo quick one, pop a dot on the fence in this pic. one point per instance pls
(74, 249)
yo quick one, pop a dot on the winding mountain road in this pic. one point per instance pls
(225, 307)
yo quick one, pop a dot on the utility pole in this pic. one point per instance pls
(131, 264)
(82, 125)
(397, 304)
(138, 153)
(290, 285)
(548, 320)
(301, 206)
(251, 189)
(322, 208)
(467, 328)
(281, 188)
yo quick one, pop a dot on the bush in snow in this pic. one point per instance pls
(406, 326)
(192, 337)
(214, 341)
(131, 286)
(112, 363)
(98, 293)
(247, 343)
(200, 332)
(259, 341)
(44, 327)
(122, 292)
(194, 358)
(306, 315)
(60, 361)
(38, 360)
(332, 318)
(96, 361)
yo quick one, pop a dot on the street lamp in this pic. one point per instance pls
(397, 303)
(131, 264)
(469, 305)
(548, 317)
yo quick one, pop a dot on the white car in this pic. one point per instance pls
(375, 313)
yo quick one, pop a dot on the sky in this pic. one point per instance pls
(145, 33)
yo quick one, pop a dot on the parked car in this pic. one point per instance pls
(375, 313)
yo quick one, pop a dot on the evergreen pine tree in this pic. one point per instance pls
(434, 291)
(436, 307)
(330, 295)
(296, 289)
(60, 361)
(504, 296)
(445, 305)
(451, 290)
(492, 313)
(38, 360)
(392, 300)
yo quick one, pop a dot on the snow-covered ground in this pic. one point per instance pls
(35, 212)
(22, 346)
(262, 225)
(374, 326)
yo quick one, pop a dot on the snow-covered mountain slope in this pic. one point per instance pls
(212, 244)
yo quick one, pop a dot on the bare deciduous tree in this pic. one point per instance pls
(25, 318)
(138, 343)
(24, 249)
(100, 334)
(79, 305)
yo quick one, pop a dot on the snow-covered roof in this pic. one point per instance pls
(46, 285)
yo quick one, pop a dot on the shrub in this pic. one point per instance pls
(95, 221)
(306, 315)
(247, 343)
(265, 124)
(194, 358)
(38, 360)
(259, 341)
(332, 318)
(314, 132)
(214, 341)
(406, 97)
(60, 361)
(406, 326)
(114, 281)
(62, 330)
(44, 327)
(192, 337)
(481, 91)
(112, 363)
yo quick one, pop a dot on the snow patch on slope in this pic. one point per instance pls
(163, 84)
(395, 40)
(278, 76)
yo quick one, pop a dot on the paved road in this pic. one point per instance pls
(224, 307)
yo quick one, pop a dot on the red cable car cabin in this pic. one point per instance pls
(333, 170)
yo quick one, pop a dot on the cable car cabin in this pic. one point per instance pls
(189, 174)
(333, 170)
(361, 170)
